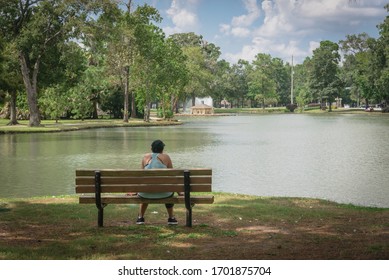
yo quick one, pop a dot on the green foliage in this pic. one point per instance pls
(81, 107)
(53, 103)
(98, 54)
(291, 107)
(167, 114)
(111, 101)
(324, 73)
(37, 30)
(262, 85)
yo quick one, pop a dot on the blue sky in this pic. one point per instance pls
(281, 28)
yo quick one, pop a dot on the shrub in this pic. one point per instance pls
(291, 107)
(168, 114)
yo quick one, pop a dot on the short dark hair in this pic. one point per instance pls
(157, 146)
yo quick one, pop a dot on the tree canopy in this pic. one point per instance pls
(78, 59)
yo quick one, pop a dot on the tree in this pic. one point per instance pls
(201, 63)
(119, 58)
(200, 76)
(281, 76)
(147, 66)
(35, 26)
(187, 39)
(62, 69)
(10, 78)
(125, 43)
(262, 86)
(173, 77)
(302, 88)
(324, 75)
(221, 86)
(364, 63)
(382, 56)
(239, 81)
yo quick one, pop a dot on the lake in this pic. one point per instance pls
(339, 157)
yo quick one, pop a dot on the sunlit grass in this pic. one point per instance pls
(60, 228)
(69, 125)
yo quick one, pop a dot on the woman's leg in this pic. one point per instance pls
(142, 209)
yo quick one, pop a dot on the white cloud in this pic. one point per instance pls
(278, 48)
(296, 27)
(240, 32)
(225, 28)
(248, 53)
(240, 25)
(182, 16)
(249, 18)
(313, 46)
(285, 16)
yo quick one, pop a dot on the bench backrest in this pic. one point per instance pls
(143, 180)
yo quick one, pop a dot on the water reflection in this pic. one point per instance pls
(338, 157)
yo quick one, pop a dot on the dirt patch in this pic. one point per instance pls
(239, 228)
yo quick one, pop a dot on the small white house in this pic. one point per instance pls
(201, 109)
(198, 102)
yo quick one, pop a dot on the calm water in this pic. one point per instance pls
(343, 158)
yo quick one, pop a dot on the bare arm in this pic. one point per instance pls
(145, 160)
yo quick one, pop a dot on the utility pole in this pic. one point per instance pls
(291, 84)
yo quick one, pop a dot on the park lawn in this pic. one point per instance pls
(70, 125)
(234, 227)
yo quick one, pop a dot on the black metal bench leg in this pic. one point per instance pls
(188, 204)
(100, 217)
(99, 205)
(189, 217)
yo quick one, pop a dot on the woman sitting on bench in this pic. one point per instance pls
(156, 160)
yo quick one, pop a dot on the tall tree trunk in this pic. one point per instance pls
(133, 105)
(12, 109)
(126, 94)
(193, 99)
(146, 110)
(95, 114)
(146, 116)
(31, 88)
(174, 104)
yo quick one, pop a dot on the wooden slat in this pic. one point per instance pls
(143, 188)
(142, 180)
(136, 200)
(144, 172)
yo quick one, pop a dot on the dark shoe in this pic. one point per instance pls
(172, 221)
(140, 221)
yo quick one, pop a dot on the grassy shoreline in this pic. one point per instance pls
(234, 227)
(72, 125)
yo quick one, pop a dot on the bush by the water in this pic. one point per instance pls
(291, 107)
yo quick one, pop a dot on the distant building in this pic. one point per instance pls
(225, 104)
(201, 109)
(204, 100)
(198, 102)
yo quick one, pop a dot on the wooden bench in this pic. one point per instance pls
(110, 186)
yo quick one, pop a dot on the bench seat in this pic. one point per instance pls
(111, 186)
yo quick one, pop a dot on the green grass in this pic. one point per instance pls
(250, 110)
(70, 125)
(235, 226)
